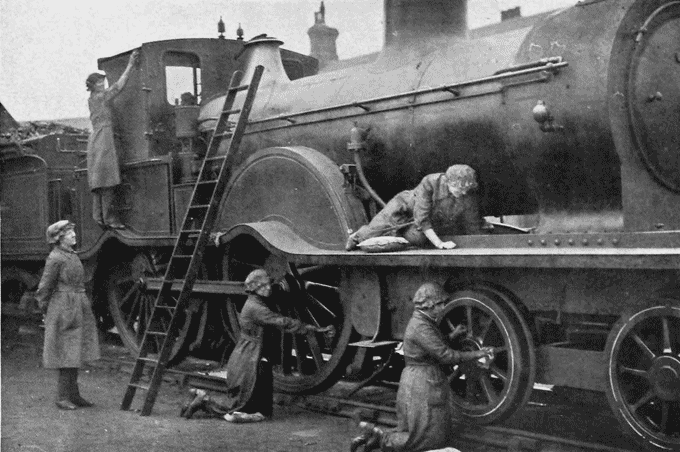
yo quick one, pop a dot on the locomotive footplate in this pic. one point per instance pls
(659, 250)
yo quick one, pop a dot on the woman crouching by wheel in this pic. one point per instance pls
(426, 415)
(249, 381)
(70, 328)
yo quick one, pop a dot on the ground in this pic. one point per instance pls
(31, 421)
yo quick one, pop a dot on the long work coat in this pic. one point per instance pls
(429, 206)
(102, 159)
(426, 415)
(249, 380)
(70, 327)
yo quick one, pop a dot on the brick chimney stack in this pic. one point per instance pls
(322, 39)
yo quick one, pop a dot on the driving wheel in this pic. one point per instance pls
(131, 304)
(303, 363)
(643, 375)
(490, 394)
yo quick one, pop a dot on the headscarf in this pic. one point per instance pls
(461, 176)
(57, 230)
(92, 80)
(428, 295)
(256, 279)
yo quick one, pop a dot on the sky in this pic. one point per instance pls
(47, 47)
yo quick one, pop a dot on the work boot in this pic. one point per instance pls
(63, 402)
(357, 443)
(195, 405)
(372, 434)
(74, 391)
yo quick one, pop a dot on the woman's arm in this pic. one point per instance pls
(422, 208)
(48, 282)
(117, 87)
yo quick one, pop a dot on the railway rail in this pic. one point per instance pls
(531, 430)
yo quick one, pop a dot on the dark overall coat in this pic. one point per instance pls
(71, 337)
(249, 379)
(426, 415)
(429, 206)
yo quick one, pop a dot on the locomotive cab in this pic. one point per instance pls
(156, 122)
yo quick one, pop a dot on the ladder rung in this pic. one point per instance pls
(214, 159)
(239, 88)
(148, 360)
(165, 306)
(232, 111)
(182, 256)
(222, 134)
(157, 333)
(190, 231)
(174, 281)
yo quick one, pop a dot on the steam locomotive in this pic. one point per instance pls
(570, 119)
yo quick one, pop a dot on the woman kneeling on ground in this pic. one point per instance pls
(249, 381)
(426, 414)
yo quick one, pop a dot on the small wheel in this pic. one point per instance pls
(131, 305)
(302, 363)
(643, 375)
(490, 395)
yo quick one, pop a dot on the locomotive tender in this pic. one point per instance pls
(570, 120)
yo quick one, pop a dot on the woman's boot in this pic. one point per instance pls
(75, 391)
(63, 401)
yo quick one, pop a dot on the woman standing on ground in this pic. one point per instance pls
(70, 328)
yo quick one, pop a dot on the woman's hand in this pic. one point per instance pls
(446, 245)
(436, 241)
(134, 58)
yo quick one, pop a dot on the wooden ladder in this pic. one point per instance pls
(193, 236)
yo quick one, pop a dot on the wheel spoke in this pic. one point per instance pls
(315, 349)
(485, 329)
(321, 305)
(133, 290)
(665, 412)
(666, 336)
(489, 391)
(643, 346)
(469, 394)
(635, 372)
(468, 314)
(495, 370)
(643, 400)
(313, 284)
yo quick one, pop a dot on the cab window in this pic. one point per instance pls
(182, 78)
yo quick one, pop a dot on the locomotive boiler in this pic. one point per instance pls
(570, 119)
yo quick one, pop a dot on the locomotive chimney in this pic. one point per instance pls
(409, 21)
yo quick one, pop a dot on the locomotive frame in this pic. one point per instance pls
(571, 133)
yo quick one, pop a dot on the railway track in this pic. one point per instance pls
(546, 424)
